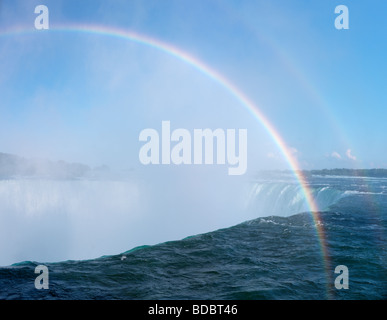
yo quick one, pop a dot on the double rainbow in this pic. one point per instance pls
(232, 89)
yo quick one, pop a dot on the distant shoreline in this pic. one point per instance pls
(12, 166)
(342, 172)
(373, 173)
(16, 166)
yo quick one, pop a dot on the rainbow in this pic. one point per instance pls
(232, 89)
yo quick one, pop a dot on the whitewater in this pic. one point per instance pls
(131, 239)
(55, 220)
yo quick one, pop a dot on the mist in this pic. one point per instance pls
(50, 219)
(76, 189)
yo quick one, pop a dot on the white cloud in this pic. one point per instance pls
(293, 150)
(336, 155)
(349, 155)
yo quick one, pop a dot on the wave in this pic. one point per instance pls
(265, 258)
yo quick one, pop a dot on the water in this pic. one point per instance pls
(274, 256)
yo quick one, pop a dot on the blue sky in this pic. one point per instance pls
(85, 98)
